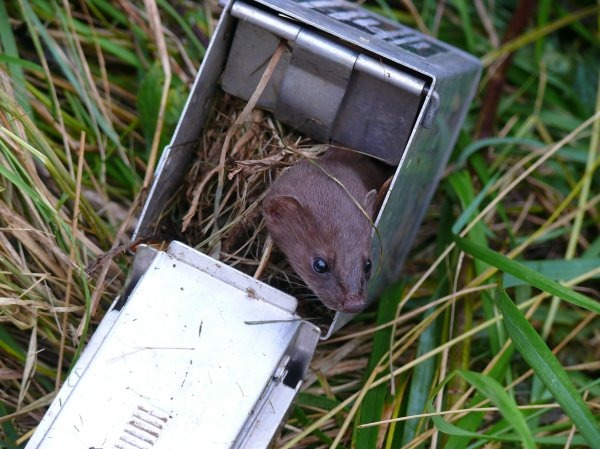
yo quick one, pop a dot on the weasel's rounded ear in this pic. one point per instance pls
(370, 201)
(280, 208)
(374, 199)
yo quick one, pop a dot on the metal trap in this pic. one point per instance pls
(196, 353)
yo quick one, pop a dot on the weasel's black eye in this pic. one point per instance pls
(367, 267)
(320, 266)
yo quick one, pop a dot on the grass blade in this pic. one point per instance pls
(9, 48)
(463, 10)
(538, 33)
(555, 269)
(491, 389)
(421, 383)
(494, 391)
(375, 401)
(526, 274)
(535, 352)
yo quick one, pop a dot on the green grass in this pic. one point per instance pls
(491, 336)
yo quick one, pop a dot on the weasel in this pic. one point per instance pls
(324, 228)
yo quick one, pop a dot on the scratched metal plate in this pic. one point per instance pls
(185, 360)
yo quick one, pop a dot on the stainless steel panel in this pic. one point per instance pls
(417, 177)
(314, 85)
(377, 117)
(71, 382)
(327, 89)
(189, 357)
(242, 73)
(275, 24)
(176, 158)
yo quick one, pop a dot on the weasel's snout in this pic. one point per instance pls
(354, 304)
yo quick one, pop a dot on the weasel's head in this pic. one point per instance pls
(329, 247)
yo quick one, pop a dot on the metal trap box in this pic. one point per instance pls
(349, 77)
(196, 351)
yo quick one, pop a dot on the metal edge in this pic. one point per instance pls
(73, 378)
(299, 13)
(176, 144)
(286, 384)
(253, 287)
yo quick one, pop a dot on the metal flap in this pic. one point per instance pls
(189, 357)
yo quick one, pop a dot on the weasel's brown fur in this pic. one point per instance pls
(309, 215)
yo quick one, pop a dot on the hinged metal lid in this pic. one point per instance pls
(198, 353)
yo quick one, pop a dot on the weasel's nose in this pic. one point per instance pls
(354, 303)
